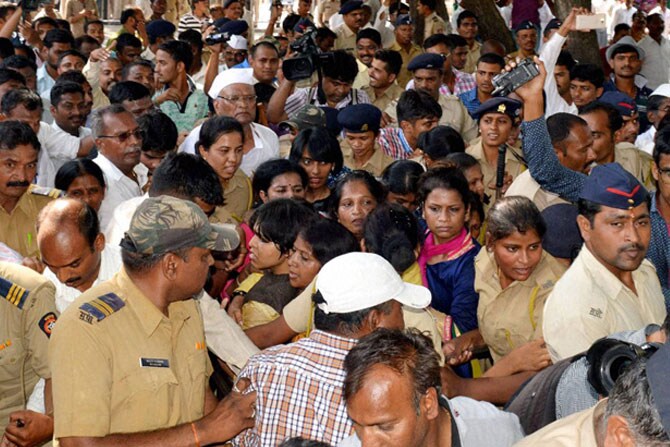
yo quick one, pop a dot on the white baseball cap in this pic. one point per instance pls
(231, 76)
(662, 90)
(357, 281)
(237, 42)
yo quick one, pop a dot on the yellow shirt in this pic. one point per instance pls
(472, 58)
(434, 24)
(375, 165)
(27, 314)
(382, 102)
(405, 75)
(513, 167)
(17, 229)
(589, 303)
(512, 317)
(238, 195)
(346, 38)
(526, 186)
(122, 366)
(636, 162)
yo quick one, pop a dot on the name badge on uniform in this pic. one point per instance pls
(154, 363)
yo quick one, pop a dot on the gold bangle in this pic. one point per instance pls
(195, 435)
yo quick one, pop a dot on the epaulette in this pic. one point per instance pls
(100, 308)
(13, 293)
(47, 192)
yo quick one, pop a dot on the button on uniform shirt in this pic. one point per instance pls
(17, 229)
(407, 55)
(524, 185)
(119, 365)
(382, 101)
(300, 389)
(185, 116)
(119, 188)
(656, 64)
(512, 317)
(589, 303)
(27, 314)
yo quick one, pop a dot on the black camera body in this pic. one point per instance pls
(506, 83)
(213, 39)
(309, 60)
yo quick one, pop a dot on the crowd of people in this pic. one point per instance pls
(333, 231)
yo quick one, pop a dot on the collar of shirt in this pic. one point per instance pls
(332, 340)
(338, 106)
(610, 285)
(109, 169)
(81, 131)
(541, 276)
(347, 31)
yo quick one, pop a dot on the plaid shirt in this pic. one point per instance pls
(464, 82)
(393, 143)
(299, 388)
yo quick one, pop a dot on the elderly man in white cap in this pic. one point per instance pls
(299, 385)
(657, 107)
(233, 95)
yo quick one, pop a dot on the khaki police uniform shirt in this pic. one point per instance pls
(589, 303)
(434, 24)
(27, 314)
(636, 162)
(237, 195)
(405, 75)
(17, 229)
(512, 317)
(576, 430)
(119, 365)
(375, 165)
(513, 166)
(325, 9)
(382, 101)
(346, 39)
(472, 58)
(526, 186)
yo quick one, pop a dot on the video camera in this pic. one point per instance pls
(506, 83)
(309, 60)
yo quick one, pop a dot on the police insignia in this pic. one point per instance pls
(46, 323)
(13, 293)
(47, 192)
(100, 308)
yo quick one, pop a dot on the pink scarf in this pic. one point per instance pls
(453, 249)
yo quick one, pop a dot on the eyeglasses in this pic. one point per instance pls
(665, 175)
(239, 99)
(123, 137)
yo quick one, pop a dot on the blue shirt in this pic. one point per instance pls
(471, 101)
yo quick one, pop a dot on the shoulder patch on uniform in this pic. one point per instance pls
(13, 293)
(47, 192)
(46, 323)
(100, 308)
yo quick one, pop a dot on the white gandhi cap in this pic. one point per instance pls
(231, 76)
(357, 281)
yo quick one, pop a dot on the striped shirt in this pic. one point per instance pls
(299, 391)
(304, 96)
(393, 142)
(191, 21)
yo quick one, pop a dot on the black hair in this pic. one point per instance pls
(449, 178)
(127, 91)
(463, 160)
(269, 170)
(392, 232)
(662, 145)
(455, 41)
(126, 14)
(511, 214)
(322, 146)
(588, 73)
(341, 66)
(373, 185)
(566, 60)
(323, 33)
(58, 36)
(127, 40)
(20, 96)
(17, 62)
(625, 48)
(492, 58)
(345, 324)
(64, 88)
(290, 22)
(559, 126)
(614, 119)
(216, 126)
(44, 20)
(431, 4)
(179, 51)
(188, 176)
(17, 133)
(64, 25)
(328, 239)
(159, 132)
(92, 22)
(300, 442)
(25, 51)
(7, 75)
(436, 39)
(278, 221)
(402, 177)
(75, 53)
(392, 59)
(126, 69)
(6, 48)
(654, 103)
(73, 169)
(440, 141)
(193, 38)
(263, 44)
(465, 14)
(73, 76)
(370, 33)
(588, 209)
(621, 27)
(81, 40)
(415, 105)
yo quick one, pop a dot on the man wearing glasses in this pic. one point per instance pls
(119, 142)
(233, 95)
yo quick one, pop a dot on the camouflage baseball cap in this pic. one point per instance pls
(164, 224)
(306, 116)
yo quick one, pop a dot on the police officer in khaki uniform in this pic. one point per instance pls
(27, 314)
(129, 360)
(352, 14)
(360, 123)
(404, 32)
(433, 24)
(20, 200)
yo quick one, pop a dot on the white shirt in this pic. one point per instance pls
(549, 55)
(666, 18)
(120, 220)
(479, 424)
(266, 147)
(44, 79)
(119, 188)
(622, 15)
(58, 147)
(645, 141)
(656, 64)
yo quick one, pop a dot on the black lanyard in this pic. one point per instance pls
(455, 437)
